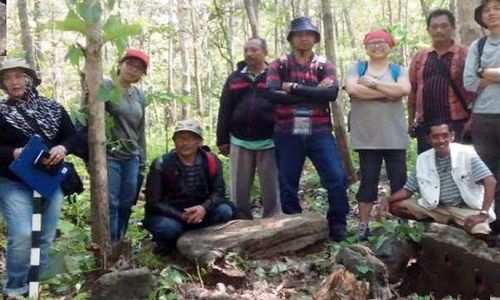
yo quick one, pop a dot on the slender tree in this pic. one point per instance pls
(183, 17)
(251, 8)
(468, 29)
(26, 38)
(97, 137)
(338, 115)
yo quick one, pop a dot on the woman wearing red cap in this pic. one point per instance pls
(126, 150)
(378, 127)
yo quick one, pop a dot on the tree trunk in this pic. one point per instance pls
(468, 29)
(99, 215)
(183, 15)
(425, 8)
(252, 9)
(170, 109)
(196, 55)
(350, 31)
(338, 115)
(26, 38)
(37, 36)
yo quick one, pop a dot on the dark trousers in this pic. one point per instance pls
(370, 162)
(486, 139)
(291, 152)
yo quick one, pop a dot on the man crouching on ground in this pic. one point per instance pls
(454, 183)
(185, 189)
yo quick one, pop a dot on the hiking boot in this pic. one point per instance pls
(338, 233)
(363, 231)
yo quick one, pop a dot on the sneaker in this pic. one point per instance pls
(363, 231)
(338, 233)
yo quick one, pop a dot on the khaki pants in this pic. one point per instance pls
(441, 214)
(244, 162)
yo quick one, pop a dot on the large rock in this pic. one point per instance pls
(359, 259)
(254, 238)
(119, 285)
(452, 262)
(395, 252)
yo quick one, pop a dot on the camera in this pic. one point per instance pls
(41, 163)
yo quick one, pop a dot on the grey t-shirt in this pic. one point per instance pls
(488, 100)
(127, 134)
(378, 124)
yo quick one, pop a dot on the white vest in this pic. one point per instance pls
(429, 184)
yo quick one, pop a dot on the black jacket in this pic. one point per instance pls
(245, 112)
(166, 188)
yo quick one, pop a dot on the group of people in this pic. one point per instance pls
(271, 118)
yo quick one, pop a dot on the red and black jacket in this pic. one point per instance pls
(245, 112)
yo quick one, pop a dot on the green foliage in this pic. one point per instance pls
(116, 31)
(278, 268)
(170, 278)
(411, 231)
(74, 55)
(363, 271)
(72, 22)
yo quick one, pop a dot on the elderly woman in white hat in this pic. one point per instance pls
(24, 113)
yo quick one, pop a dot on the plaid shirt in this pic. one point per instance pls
(287, 69)
(422, 81)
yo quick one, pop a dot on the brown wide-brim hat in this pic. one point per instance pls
(18, 63)
(478, 14)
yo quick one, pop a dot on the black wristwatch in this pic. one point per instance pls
(479, 72)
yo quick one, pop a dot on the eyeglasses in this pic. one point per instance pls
(377, 44)
(135, 65)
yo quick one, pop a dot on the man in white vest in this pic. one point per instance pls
(453, 182)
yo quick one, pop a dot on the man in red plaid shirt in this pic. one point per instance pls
(302, 84)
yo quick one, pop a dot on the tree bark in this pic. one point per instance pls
(183, 15)
(338, 115)
(425, 8)
(468, 29)
(196, 60)
(251, 8)
(99, 215)
(26, 38)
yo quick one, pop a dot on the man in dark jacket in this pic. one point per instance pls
(184, 189)
(303, 84)
(245, 131)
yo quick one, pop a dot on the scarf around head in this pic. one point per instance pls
(45, 112)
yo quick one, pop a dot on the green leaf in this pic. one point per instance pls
(363, 269)
(278, 268)
(116, 31)
(72, 22)
(92, 13)
(74, 55)
(110, 4)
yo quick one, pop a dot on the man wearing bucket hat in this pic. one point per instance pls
(437, 91)
(303, 84)
(23, 114)
(482, 75)
(185, 189)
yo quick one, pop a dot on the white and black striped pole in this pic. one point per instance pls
(36, 231)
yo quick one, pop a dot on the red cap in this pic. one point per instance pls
(381, 34)
(136, 53)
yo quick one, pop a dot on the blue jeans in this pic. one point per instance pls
(291, 152)
(16, 203)
(370, 162)
(122, 182)
(166, 231)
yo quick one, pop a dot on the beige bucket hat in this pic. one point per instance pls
(189, 125)
(18, 63)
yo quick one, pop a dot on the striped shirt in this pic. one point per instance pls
(288, 69)
(422, 80)
(436, 87)
(449, 194)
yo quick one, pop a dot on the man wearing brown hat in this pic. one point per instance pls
(482, 75)
(436, 78)
(185, 189)
(302, 85)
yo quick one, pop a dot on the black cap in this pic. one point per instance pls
(303, 24)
